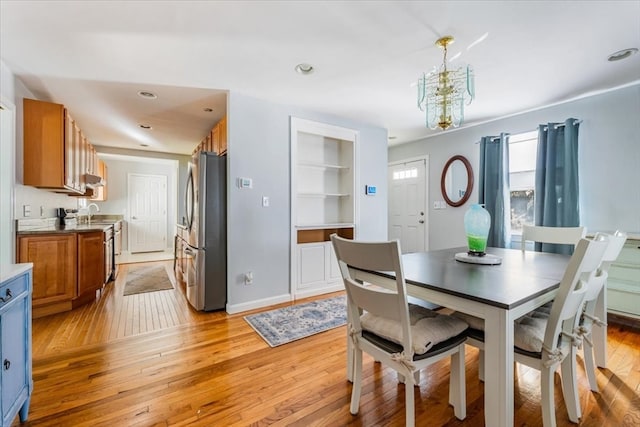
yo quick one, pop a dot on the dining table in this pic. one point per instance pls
(499, 294)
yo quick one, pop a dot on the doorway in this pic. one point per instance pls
(147, 228)
(407, 211)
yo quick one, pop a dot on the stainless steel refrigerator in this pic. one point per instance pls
(206, 221)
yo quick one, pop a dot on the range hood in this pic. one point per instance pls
(93, 181)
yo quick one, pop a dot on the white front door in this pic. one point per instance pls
(148, 213)
(407, 204)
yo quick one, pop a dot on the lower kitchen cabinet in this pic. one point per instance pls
(15, 343)
(68, 268)
(91, 266)
(54, 258)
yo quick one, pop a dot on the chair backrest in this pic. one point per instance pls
(582, 267)
(380, 301)
(614, 247)
(555, 235)
(616, 243)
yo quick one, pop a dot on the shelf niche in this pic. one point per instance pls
(323, 202)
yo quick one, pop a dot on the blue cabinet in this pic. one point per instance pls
(16, 381)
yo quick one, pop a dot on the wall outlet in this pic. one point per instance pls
(26, 210)
(248, 278)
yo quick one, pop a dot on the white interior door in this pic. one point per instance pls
(407, 205)
(148, 213)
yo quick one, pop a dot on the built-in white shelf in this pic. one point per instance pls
(324, 226)
(323, 189)
(323, 195)
(323, 166)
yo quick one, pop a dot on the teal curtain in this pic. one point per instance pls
(556, 190)
(494, 188)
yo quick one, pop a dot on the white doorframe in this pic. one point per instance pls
(8, 174)
(426, 190)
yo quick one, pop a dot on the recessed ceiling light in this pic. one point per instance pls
(622, 54)
(304, 69)
(148, 95)
(208, 110)
(145, 126)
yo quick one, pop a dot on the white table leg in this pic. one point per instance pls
(599, 333)
(498, 367)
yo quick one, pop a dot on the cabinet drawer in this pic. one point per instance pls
(12, 290)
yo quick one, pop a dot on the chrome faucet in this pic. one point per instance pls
(89, 210)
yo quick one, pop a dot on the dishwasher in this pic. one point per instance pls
(117, 247)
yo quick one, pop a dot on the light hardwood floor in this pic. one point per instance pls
(150, 360)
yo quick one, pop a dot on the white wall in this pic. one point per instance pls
(7, 181)
(259, 238)
(609, 157)
(117, 201)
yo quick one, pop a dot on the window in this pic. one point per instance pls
(522, 178)
(405, 174)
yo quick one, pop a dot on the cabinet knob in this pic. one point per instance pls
(7, 297)
(7, 364)
(421, 221)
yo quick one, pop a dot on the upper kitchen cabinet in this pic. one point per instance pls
(100, 194)
(219, 136)
(57, 155)
(216, 140)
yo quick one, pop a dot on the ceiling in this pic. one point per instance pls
(94, 57)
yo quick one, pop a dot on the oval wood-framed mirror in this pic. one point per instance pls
(457, 181)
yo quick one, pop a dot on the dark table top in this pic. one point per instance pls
(521, 277)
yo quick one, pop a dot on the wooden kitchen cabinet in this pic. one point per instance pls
(68, 268)
(91, 266)
(222, 130)
(54, 258)
(100, 194)
(219, 137)
(57, 155)
(47, 150)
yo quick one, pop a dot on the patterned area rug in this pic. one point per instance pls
(142, 279)
(298, 321)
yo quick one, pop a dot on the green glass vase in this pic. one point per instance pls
(477, 222)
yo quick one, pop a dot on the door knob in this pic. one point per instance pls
(7, 364)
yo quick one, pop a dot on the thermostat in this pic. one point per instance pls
(245, 182)
(370, 190)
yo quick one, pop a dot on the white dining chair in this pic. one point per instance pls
(539, 234)
(588, 318)
(545, 341)
(402, 336)
(555, 235)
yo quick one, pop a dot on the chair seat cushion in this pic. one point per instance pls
(428, 328)
(528, 330)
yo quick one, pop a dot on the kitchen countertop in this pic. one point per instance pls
(79, 228)
(51, 225)
(9, 271)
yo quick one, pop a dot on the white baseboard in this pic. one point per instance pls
(252, 305)
(306, 293)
